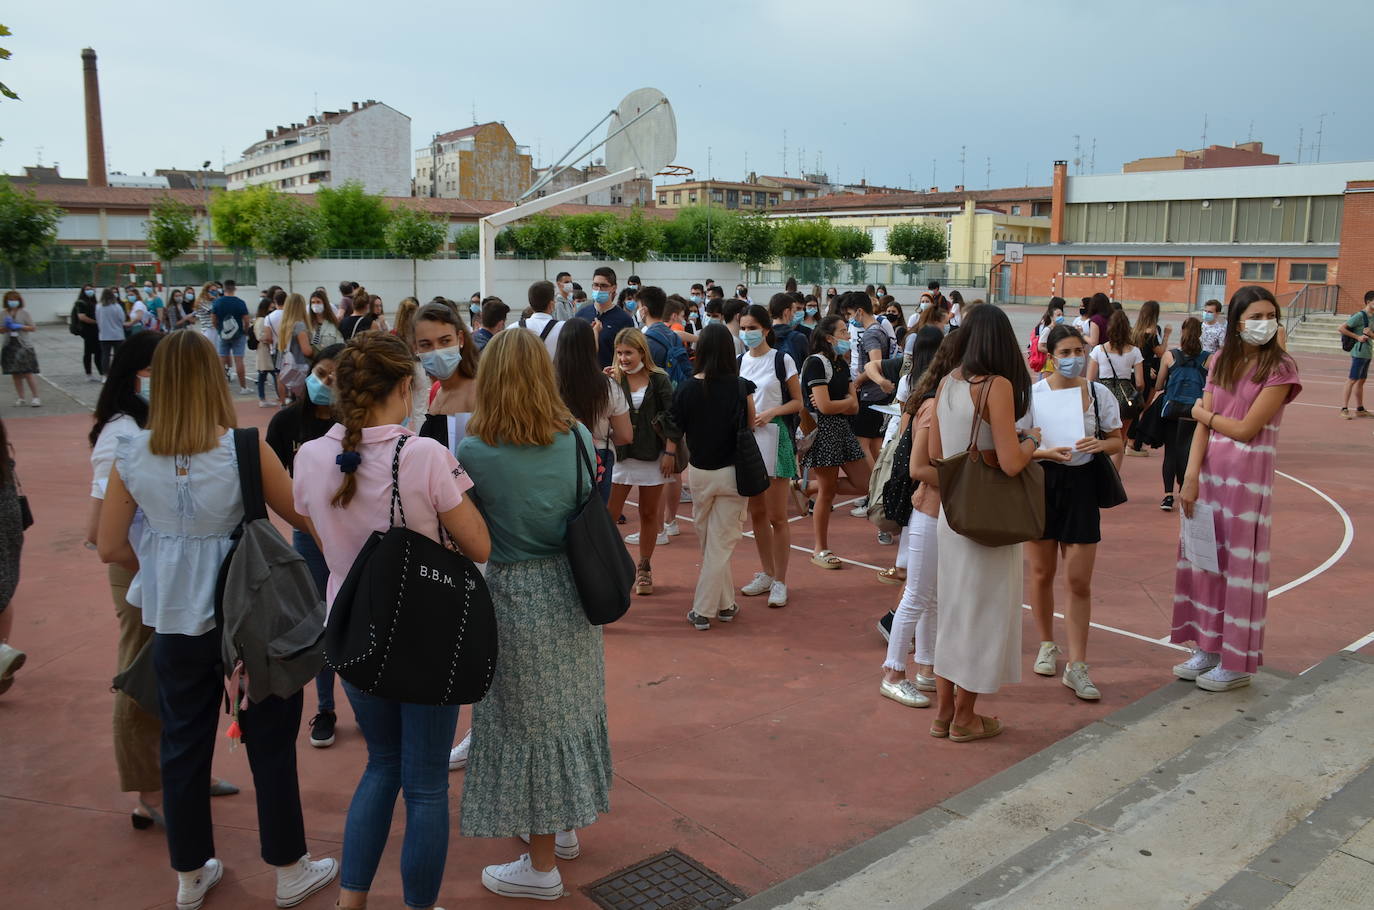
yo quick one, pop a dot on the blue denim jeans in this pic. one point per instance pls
(319, 571)
(407, 751)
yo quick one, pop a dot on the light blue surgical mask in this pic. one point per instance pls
(842, 347)
(1209, 317)
(696, 298)
(319, 393)
(855, 323)
(631, 305)
(811, 311)
(1070, 367)
(714, 320)
(442, 362)
(752, 338)
(1058, 319)
(796, 318)
(600, 296)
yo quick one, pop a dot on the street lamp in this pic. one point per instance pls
(205, 193)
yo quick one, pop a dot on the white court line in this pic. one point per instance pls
(1335, 557)
(1359, 643)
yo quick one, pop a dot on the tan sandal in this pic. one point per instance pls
(892, 576)
(826, 560)
(988, 727)
(939, 728)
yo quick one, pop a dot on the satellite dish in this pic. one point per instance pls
(642, 133)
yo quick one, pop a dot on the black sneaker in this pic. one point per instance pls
(700, 623)
(322, 729)
(1167, 504)
(885, 625)
(620, 520)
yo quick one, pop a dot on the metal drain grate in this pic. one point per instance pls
(668, 881)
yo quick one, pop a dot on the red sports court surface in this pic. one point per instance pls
(759, 748)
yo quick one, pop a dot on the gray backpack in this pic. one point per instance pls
(269, 613)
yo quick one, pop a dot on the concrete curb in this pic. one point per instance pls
(861, 856)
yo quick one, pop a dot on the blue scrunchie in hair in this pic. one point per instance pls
(348, 461)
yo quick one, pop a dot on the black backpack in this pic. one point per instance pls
(1348, 343)
(73, 323)
(899, 487)
(413, 620)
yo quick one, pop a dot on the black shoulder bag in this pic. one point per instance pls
(1110, 491)
(751, 474)
(601, 565)
(413, 620)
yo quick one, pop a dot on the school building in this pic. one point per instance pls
(1183, 237)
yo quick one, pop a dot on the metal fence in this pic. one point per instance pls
(893, 275)
(118, 267)
(1309, 300)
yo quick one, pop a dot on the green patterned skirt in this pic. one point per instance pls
(541, 757)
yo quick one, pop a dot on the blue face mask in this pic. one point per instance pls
(752, 338)
(319, 393)
(442, 362)
(796, 318)
(1058, 319)
(714, 320)
(600, 296)
(842, 347)
(855, 323)
(811, 311)
(1070, 367)
(631, 305)
(1209, 317)
(696, 298)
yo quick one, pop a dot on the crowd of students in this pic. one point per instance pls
(476, 432)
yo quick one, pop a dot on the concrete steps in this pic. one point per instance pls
(1318, 334)
(1185, 798)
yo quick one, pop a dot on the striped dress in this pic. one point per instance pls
(1225, 613)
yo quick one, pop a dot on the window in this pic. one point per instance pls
(1257, 271)
(717, 196)
(1308, 272)
(692, 198)
(1016, 209)
(662, 198)
(677, 197)
(772, 198)
(746, 199)
(1085, 267)
(1154, 269)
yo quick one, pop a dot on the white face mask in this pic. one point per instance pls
(634, 369)
(1259, 331)
(317, 308)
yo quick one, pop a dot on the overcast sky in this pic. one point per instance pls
(889, 90)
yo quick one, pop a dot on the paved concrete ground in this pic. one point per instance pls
(759, 749)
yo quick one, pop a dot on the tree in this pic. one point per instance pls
(354, 219)
(749, 240)
(288, 230)
(5, 90)
(851, 245)
(689, 231)
(414, 235)
(235, 215)
(28, 229)
(584, 232)
(631, 238)
(916, 242)
(467, 240)
(542, 236)
(171, 230)
(808, 249)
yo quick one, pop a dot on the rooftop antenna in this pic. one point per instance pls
(1299, 145)
(962, 180)
(640, 144)
(784, 153)
(1027, 183)
(474, 112)
(709, 172)
(1077, 154)
(933, 181)
(317, 104)
(1204, 130)
(1092, 158)
(1321, 125)
(746, 162)
(1250, 136)
(987, 185)
(39, 150)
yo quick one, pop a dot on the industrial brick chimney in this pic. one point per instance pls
(95, 133)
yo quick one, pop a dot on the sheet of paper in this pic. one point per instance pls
(893, 410)
(1199, 535)
(1059, 415)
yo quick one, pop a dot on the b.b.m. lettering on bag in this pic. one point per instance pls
(436, 576)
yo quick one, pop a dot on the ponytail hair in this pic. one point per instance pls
(366, 373)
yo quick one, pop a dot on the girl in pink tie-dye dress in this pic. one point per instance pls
(1231, 469)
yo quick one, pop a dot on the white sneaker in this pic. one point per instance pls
(861, 510)
(191, 886)
(94, 378)
(565, 844)
(760, 585)
(303, 878)
(1045, 660)
(904, 692)
(671, 529)
(19, 403)
(520, 879)
(264, 403)
(458, 755)
(777, 594)
(661, 540)
(11, 659)
(686, 495)
(1219, 680)
(35, 403)
(1195, 666)
(1076, 678)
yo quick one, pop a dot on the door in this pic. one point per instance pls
(1211, 285)
(1004, 285)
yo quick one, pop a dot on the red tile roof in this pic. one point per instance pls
(860, 201)
(464, 132)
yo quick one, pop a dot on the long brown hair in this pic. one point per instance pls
(517, 398)
(1232, 359)
(947, 357)
(1190, 337)
(325, 315)
(1146, 325)
(445, 313)
(1119, 331)
(404, 328)
(366, 374)
(190, 399)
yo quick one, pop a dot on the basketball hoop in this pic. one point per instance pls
(675, 170)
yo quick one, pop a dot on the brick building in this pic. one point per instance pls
(481, 161)
(1242, 154)
(1184, 237)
